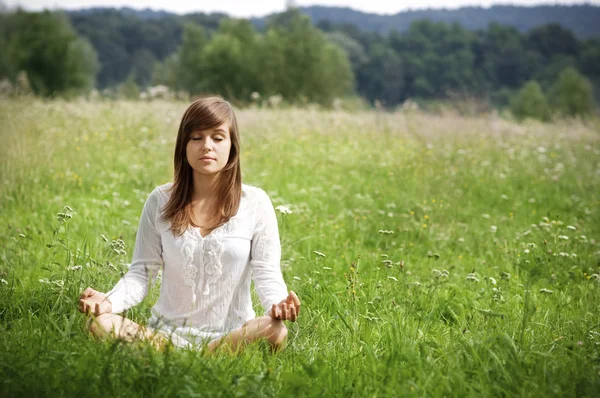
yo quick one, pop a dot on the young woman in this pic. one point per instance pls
(209, 234)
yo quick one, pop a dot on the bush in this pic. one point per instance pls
(572, 94)
(530, 102)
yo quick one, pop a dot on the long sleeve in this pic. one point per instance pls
(147, 260)
(265, 254)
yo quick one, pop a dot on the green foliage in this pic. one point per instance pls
(45, 46)
(572, 94)
(295, 61)
(530, 102)
(460, 254)
(129, 89)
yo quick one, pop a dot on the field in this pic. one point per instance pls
(435, 255)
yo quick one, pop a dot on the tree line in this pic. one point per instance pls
(289, 56)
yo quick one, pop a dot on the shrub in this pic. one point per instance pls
(572, 94)
(530, 102)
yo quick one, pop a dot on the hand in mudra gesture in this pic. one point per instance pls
(93, 302)
(288, 309)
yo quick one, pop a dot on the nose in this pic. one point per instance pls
(207, 146)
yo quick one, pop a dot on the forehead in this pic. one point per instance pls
(222, 128)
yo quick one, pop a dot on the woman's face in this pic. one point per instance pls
(207, 151)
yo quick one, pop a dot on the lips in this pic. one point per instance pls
(207, 158)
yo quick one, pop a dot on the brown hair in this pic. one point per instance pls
(202, 114)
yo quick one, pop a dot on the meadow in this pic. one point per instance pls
(435, 255)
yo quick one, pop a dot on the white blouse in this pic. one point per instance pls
(205, 287)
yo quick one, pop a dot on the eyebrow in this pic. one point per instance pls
(220, 130)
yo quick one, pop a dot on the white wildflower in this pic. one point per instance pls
(526, 251)
(572, 228)
(297, 278)
(318, 253)
(3, 281)
(75, 268)
(327, 268)
(385, 232)
(283, 209)
(492, 280)
(393, 278)
(493, 229)
(484, 215)
(546, 291)
(563, 254)
(472, 277)
(563, 237)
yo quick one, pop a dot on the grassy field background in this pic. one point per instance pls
(434, 255)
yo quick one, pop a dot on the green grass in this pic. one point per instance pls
(440, 234)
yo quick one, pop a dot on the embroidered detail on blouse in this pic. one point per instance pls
(209, 249)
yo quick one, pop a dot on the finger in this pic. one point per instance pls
(80, 306)
(276, 311)
(293, 314)
(295, 300)
(87, 293)
(97, 309)
(284, 311)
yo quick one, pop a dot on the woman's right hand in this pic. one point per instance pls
(94, 303)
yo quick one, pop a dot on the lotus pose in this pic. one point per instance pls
(210, 235)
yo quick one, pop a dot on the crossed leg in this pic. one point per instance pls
(264, 327)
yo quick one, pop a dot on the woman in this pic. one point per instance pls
(209, 234)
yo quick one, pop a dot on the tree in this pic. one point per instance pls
(45, 46)
(572, 94)
(530, 102)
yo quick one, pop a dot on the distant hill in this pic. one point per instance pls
(583, 20)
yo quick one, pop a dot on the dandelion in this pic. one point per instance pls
(546, 291)
(424, 225)
(319, 253)
(426, 217)
(283, 209)
(563, 237)
(572, 228)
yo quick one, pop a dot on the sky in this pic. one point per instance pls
(250, 8)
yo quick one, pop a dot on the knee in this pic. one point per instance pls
(98, 326)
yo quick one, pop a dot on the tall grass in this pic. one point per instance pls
(434, 255)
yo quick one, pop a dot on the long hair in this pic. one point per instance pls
(202, 114)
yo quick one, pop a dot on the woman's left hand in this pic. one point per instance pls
(288, 309)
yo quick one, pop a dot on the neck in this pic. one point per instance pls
(205, 186)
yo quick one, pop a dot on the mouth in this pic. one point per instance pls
(207, 158)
